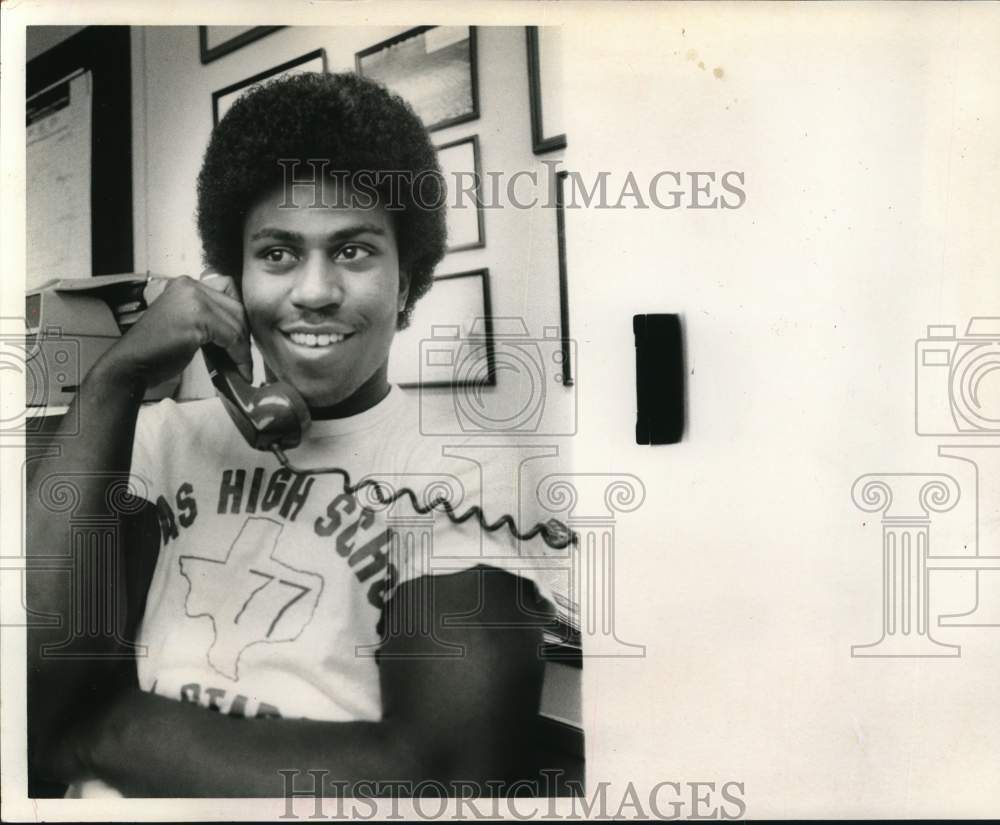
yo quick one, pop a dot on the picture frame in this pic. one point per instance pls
(466, 228)
(449, 342)
(567, 363)
(434, 68)
(214, 43)
(540, 142)
(105, 52)
(314, 61)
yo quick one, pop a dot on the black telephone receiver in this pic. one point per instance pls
(274, 415)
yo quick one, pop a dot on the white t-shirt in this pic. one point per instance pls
(269, 586)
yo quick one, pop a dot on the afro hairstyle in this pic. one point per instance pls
(355, 123)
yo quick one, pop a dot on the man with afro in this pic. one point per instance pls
(282, 630)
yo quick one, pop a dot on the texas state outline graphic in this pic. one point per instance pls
(249, 601)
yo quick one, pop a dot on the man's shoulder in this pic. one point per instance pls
(179, 427)
(168, 411)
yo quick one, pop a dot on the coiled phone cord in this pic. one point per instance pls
(553, 532)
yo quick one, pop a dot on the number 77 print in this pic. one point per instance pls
(249, 605)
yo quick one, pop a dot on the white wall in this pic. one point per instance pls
(868, 138)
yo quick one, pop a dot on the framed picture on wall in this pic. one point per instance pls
(547, 128)
(216, 41)
(431, 67)
(564, 341)
(460, 165)
(224, 98)
(449, 342)
(81, 170)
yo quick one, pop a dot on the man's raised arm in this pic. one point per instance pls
(68, 670)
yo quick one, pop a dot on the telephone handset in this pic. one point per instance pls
(268, 416)
(274, 417)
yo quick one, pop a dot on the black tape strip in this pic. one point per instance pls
(659, 379)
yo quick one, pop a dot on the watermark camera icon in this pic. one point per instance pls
(505, 380)
(49, 365)
(958, 380)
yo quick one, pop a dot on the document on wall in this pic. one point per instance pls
(58, 167)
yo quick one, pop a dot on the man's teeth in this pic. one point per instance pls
(307, 339)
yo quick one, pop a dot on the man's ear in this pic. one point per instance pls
(404, 289)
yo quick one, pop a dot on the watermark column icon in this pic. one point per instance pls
(905, 501)
(590, 502)
(94, 545)
(986, 460)
(958, 397)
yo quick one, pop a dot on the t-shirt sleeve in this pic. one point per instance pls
(151, 434)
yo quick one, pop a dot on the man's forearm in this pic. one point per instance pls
(460, 718)
(148, 745)
(69, 655)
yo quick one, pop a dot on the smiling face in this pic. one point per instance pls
(322, 289)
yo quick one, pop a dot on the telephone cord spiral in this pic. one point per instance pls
(553, 532)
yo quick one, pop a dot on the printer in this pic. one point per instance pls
(69, 325)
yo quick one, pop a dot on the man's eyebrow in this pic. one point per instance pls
(278, 235)
(287, 236)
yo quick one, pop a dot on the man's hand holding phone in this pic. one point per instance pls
(185, 316)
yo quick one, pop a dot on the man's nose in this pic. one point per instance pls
(318, 283)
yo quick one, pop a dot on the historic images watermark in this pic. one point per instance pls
(43, 362)
(313, 795)
(505, 435)
(958, 403)
(50, 367)
(315, 184)
(46, 363)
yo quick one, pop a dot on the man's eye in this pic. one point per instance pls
(277, 256)
(352, 252)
